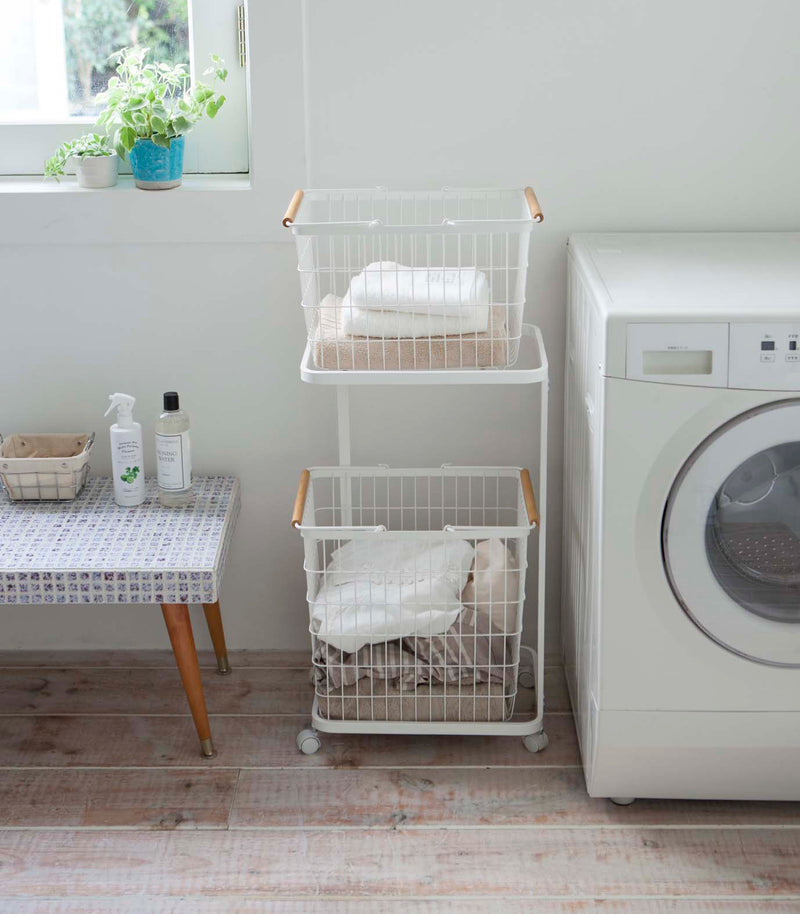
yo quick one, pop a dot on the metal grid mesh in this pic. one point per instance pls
(410, 280)
(416, 585)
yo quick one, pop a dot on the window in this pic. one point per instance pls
(54, 59)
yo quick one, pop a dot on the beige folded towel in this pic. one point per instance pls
(395, 701)
(334, 350)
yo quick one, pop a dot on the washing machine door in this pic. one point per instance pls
(731, 535)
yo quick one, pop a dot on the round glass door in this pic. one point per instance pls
(731, 535)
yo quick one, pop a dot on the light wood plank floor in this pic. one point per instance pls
(105, 806)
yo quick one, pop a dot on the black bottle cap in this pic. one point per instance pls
(171, 402)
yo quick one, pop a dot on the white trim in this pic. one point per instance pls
(697, 588)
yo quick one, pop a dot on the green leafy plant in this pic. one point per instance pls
(130, 474)
(155, 101)
(91, 144)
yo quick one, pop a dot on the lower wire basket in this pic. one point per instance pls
(416, 584)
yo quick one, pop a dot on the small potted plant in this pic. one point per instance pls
(97, 161)
(150, 107)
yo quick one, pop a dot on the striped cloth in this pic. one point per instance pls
(472, 650)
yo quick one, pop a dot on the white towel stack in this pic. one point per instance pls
(391, 300)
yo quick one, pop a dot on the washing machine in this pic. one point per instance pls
(681, 544)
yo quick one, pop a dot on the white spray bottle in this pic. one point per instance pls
(126, 453)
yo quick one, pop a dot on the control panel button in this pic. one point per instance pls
(764, 356)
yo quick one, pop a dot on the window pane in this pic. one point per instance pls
(54, 53)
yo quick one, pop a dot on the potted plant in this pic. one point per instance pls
(97, 161)
(150, 107)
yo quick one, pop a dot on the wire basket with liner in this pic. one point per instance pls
(401, 280)
(45, 467)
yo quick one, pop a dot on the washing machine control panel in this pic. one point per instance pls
(749, 356)
(764, 356)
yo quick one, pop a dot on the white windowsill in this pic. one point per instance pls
(33, 184)
(205, 209)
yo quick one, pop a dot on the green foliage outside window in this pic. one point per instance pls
(95, 29)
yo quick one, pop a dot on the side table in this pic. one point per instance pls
(92, 551)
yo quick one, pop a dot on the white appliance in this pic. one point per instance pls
(681, 585)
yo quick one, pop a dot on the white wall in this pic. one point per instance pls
(625, 115)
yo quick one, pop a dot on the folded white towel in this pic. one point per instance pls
(386, 285)
(379, 589)
(410, 324)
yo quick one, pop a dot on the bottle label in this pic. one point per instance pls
(174, 457)
(128, 465)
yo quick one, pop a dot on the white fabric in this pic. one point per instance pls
(493, 586)
(408, 325)
(380, 589)
(386, 285)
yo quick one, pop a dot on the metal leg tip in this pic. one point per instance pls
(223, 667)
(207, 748)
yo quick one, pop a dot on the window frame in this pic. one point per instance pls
(220, 146)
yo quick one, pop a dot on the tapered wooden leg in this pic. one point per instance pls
(179, 626)
(214, 620)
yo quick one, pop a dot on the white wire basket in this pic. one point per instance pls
(396, 280)
(50, 467)
(416, 584)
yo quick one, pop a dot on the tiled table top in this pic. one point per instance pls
(92, 551)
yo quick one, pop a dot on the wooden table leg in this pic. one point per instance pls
(179, 626)
(214, 620)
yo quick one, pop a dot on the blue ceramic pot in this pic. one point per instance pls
(157, 168)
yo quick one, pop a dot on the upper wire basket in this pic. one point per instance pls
(396, 280)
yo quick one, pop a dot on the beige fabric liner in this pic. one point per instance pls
(55, 445)
(483, 702)
(335, 351)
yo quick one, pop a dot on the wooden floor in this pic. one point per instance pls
(106, 806)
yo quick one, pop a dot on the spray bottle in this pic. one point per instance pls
(126, 453)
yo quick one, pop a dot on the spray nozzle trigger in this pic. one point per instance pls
(122, 402)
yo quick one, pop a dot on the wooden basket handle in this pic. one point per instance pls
(300, 500)
(294, 206)
(533, 205)
(530, 498)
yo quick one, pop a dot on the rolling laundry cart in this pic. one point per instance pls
(416, 576)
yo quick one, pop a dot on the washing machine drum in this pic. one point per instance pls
(731, 535)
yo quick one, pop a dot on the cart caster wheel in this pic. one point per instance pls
(308, 742)
(526, 679)
(622, 801)
(536, 742)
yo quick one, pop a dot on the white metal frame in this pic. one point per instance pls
(537, 374)
(384, 212)
(221, 146)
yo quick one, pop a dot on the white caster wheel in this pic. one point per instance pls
(536, 742)
(526, 678)
(308, 741)
(622, 801)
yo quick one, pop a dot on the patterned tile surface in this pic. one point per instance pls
(92, 551)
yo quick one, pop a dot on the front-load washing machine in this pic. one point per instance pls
(681, 582)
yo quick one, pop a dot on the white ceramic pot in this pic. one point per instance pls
(98, 171)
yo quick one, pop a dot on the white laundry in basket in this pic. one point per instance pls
(379, 589)
(386, 285)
